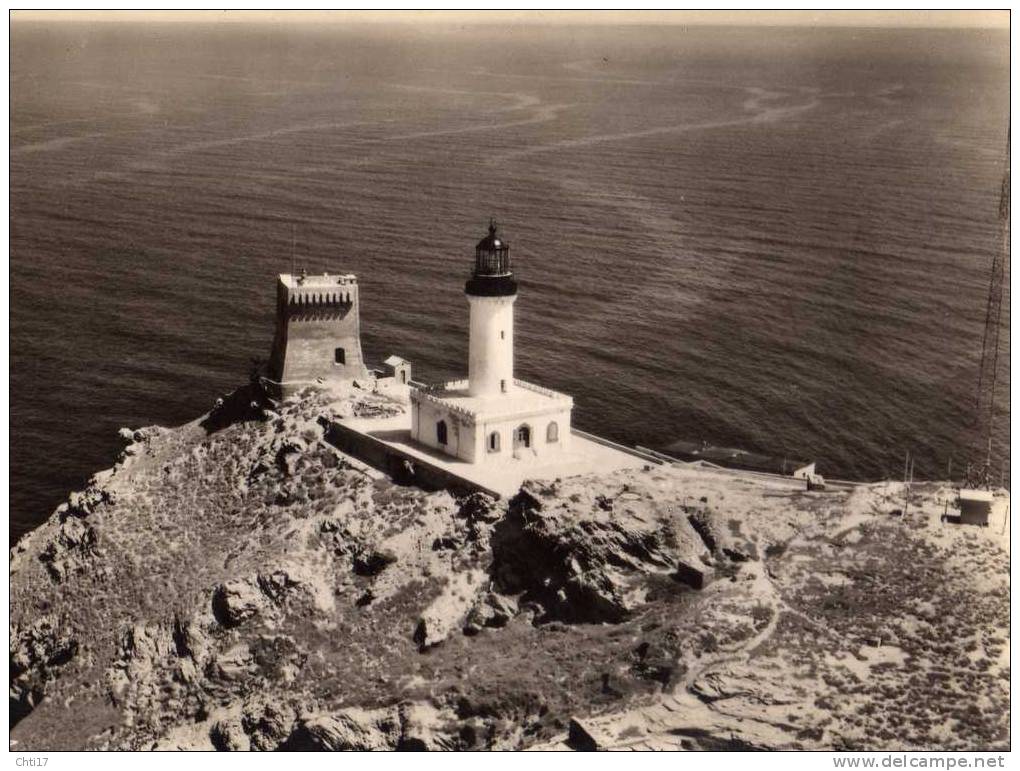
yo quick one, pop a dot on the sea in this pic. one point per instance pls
(776, 239)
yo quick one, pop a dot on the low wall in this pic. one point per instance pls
(403, 468)
(831, 484)
(637, 452)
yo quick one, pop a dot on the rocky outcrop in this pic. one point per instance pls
(238, 600)
(234, 602)
(228, 735)
(139, 440)
(373, 561)
(491, 610)
(350, 729)
(584, 558)
(267, 722)
(247, 403)
(406, 726)
(723, 538)
(446, 613)
(84, 502)
(71, 551)
(38, 652)
(288, 455)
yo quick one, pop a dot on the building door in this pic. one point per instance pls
(441, 436)
(522, 436)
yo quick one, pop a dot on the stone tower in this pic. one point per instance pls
(491, 292)
(318, 332)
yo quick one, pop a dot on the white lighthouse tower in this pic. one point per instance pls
(491, 292)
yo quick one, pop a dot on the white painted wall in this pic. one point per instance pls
(491, 345)
(470, 441)
(540, 448)
(460, 438)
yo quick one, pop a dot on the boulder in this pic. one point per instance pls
(235, 602)
(276, 584)
(277, 657)
(722, 538)
(349, 729)
(479, 507)
(492, 610)
(229, 736)
(423, 728)
(288, 455)
(372, 562)
(268, 722)
(235, 664)
(189, 640)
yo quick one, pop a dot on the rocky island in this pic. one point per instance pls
(239, 583)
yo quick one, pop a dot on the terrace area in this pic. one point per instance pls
(386, 443)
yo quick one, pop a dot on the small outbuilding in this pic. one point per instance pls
(975, 506)
(397, 368)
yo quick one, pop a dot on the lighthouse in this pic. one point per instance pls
(488, 431)
(491, 417)
(491, 292)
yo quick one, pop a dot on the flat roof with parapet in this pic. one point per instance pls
(520, 401)
(292, 281)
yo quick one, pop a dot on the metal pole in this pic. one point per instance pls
(906, 505)
(906, 488)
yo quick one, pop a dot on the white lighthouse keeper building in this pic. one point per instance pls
(491, 417)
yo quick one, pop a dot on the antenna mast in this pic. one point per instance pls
(985, 402)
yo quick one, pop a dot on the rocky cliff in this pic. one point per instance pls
(237, 583)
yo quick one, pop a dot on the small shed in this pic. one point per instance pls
(975, 506)
(397, 368)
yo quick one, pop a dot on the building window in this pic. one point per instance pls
(502, 386)
(339, 357)
(502, 334)
(441, 432)
(552, 433)
(522, 437)
(494, 441)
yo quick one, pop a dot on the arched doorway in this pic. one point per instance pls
(441, 436)
(522, 436)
